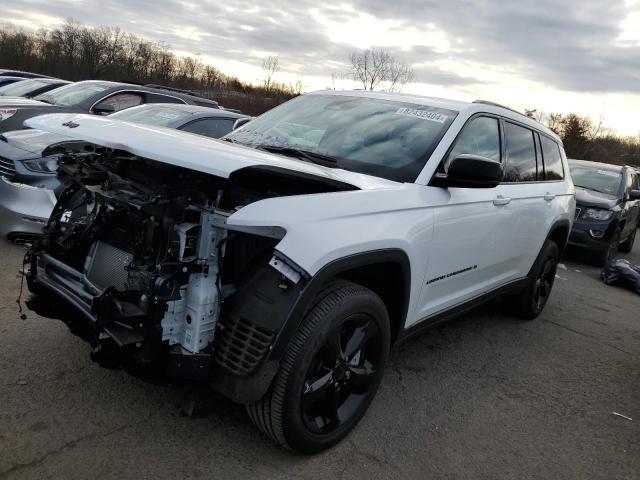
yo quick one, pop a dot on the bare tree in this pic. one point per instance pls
(297, 87)
(399, 75)
(376, 67)
(270, 66)
(534, 113)
(370, 67)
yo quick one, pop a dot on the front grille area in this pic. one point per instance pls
(7, 168)
(241, 346)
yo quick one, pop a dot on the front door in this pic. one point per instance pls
(467, 255)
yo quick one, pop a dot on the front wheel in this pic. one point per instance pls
(330, 371)
(627, 245)
(530, 303)
(611, 251)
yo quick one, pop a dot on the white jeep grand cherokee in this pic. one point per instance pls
(282, 264)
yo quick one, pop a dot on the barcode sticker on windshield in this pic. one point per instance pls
(608, 173)
(423, 114)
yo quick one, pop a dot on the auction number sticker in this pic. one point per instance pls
(608, 173)
(423, 114)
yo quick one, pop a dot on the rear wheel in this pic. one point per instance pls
(330, 371)
(627, 245)
(530, 303)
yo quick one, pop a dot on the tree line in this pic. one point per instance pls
(77, 52)
(585, 139)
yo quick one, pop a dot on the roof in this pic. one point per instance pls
(145, 88)
(600, 165)
(196, 110)
(10, 79)
(469, 108)
(50, 80)
(20, 73)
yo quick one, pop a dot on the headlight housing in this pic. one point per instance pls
(42, 165)
(6, 113)
(596, 214)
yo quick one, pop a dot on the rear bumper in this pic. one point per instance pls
(24, 209)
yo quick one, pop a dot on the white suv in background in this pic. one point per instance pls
(282, 264)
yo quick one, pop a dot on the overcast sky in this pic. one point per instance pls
(553, 55)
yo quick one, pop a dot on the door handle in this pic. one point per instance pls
(500, 200)
(548, 197)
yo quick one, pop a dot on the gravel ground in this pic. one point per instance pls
(483, 397)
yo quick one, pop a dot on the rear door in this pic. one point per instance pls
(535, 193)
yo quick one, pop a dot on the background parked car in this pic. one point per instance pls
(31, 87)
(28, 160)
(91, 96)
(607, 210)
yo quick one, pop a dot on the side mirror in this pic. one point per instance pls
(103, 109)
(471, 171)
(240, 122)
(634, 195)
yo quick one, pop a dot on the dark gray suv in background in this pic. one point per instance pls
(607, 208)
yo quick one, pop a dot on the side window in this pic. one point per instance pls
(481, 136)
(631, 181)
(210, 127)
(521, 154)
(123, 100)
(552, 159)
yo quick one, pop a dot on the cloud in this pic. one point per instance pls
(574, 45)
(568, 44)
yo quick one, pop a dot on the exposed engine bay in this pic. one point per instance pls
(142, 253)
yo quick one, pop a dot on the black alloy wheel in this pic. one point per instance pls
(530, 302)
(342, 375)
(544, 283)
(611, 251)
(330, 372)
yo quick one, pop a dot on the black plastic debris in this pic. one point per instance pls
(622, 273)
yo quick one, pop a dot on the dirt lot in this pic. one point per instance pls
(484, 397)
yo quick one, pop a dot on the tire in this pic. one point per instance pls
(611, 251)
(346, 323)
(627, 245)
(531, 301)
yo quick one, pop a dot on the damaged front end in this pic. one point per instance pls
(139, 260)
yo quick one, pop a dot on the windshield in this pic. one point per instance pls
(19, 89)
(600, 180)
(158, 115)
(71, 95)
(384, 138)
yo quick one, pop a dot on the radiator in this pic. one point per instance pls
(108, 266)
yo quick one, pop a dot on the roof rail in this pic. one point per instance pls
(494, 104)
(177, 90)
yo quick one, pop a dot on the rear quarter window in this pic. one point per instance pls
(521, 154)
(553, 169)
